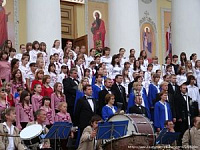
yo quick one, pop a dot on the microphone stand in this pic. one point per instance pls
(188, 114)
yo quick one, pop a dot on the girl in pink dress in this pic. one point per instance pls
(5, 73)
(57, 97)
(36, 99)
(63, 115)
(17, 81)
(3, 100)
(24, 111)
(46, 101)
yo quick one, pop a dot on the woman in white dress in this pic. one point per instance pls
(56, 49)
(106, 58)
(116, 68)
(181, 77)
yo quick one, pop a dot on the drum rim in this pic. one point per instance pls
(33, 136)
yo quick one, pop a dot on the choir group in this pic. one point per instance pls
(71, 86)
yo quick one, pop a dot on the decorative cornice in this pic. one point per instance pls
(147, 1)
(147, 19)
(102, 1)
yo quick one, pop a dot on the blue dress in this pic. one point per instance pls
(153, 91)
(159, 114)
(95, 91)
(107, 112)
(79, 94)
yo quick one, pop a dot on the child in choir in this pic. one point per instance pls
(143, 54)
(30, 76)
(14, 64)
(70, 62)
(156, 66)
(12, 54)
(136, 66)
(90, 58)
(175, 63)
(116, 67)
(183, 59)
(147, 74)
(17, 81)
(53, 74)
(126, 79)
(3, 100)
(29, 47)
(143, 66)
(47, 89)
(23, 67)
(87, 75)
(79, 63)
(63, 74)
(57, 97)
(57, 63)
(131, 61)
(56, 49)
(92, 68)
(46, 103)
(168, 61)
(193, 58)
(40, 64)
(62, 115)
(36, 99)
(5, 73)
(24, 111)
(162, 112)
(189, 67)
(10, 98)
(181, 77)
(38, 80)
(43, 47)
(169, 70)
(97, 87)
(22, 50)
(106, 57)
(33, 53)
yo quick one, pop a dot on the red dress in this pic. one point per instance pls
(37, 82)
(48, 91)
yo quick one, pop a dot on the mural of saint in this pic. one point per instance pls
(3, 23)
(168, 41)
(98, 30)
(147, 40)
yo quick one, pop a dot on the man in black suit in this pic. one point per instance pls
(181, 110)
(173, 88)
(85, 109)
(70, 85)
(138, 108)
(108, 84)
(119, 91)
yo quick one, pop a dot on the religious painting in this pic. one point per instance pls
(6, 21)
(167, 33)
(97, 24)
(147, 40)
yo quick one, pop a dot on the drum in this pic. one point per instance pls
(31, 135)
(137, 125)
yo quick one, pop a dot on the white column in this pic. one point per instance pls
(124, 28)
(185, 27)
(43, 21)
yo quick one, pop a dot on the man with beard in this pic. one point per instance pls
(98, 31)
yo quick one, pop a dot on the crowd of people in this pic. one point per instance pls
(70, 86)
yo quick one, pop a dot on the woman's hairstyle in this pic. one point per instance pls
(27, 46)
(14, 61)
(61, 104)
(123, 75)
(45, 78)
(80, 85)
(134, 65)
(141, 53)
(2, 53)
(189, 78)
(193, 54)
(34, 43)
(22, 97)
(108, 97)
(43, 44)
(13, 76)
(113, 60)
(55, 89)
(183, 61)
(45, 98)
(36, 75)
(95, 118)
(180, 69)
(55, 43)
(49, 68)
(162, 93)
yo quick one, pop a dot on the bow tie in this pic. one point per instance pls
(184, 95)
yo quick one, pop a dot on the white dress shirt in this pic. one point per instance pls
(11, 145)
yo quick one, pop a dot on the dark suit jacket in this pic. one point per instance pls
(171, 90)
(181, 107)
(119, 97)
(83, 113)
(70, 90)
(101, 100)
(137, 110)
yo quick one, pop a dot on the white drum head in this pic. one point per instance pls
(131, 129)
(30, 132)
